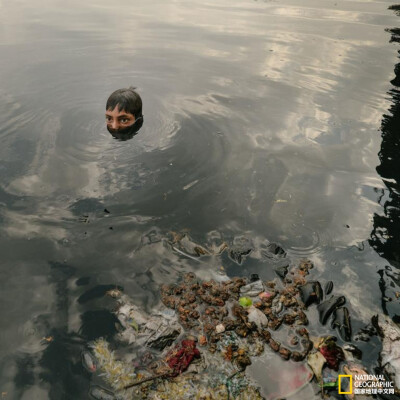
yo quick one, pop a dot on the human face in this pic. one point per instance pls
(117, 120)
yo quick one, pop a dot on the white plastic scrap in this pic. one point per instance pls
(143, 329)
(252, 289)
(390, 353)
(257, 316)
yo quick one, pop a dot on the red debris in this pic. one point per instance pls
(180, 358)
(332, 353)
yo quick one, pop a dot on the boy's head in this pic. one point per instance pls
(124, 111)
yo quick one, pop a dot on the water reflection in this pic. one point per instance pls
(262, 122)
(385, 237)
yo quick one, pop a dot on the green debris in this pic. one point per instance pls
(133, 324)
(245, 301)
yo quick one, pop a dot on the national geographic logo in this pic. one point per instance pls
(364, 384)
(346, 381)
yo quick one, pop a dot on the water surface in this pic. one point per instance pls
(262, 118)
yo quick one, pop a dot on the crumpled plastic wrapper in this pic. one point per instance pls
(157, 331)
(390, 354)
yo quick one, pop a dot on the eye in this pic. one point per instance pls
(108, 118)
(124, 120)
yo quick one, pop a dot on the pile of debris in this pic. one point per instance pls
(253, 310)
(199, 344)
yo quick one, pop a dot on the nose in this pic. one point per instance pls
(114, 124)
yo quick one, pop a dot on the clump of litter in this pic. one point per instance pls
(219, 388)
(115, 372)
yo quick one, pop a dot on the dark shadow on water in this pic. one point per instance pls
(58, 368)
(98, 323)
(385, 237)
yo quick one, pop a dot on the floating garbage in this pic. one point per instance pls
(341, 320)
(156, 331)
(282, 271)
(99, 393)
(219, 325)
(245, 301)
(352, 352)
(311, 293)
(328, 288)
(316, 361)
(329, 378)
(273, 250)
(360, 377)
(390, 354)
(192, 248)
(265, 295)
(325, 361)
(326, 308)
(331, 351)
(215, 387)
(202, 306)
(88, 361)
(180, 358)
(365, 333)
(116, 373)
(252, 289)
(240, 249)
(181, 243)
(280, 379)
(258, 317)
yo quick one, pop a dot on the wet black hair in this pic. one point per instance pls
(127, 100)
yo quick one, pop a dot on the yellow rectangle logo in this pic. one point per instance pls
(350, 385)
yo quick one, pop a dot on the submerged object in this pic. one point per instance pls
(99, 393)
(273, 250)
(282, 271)
(363, 378)
(328, 288)
(292, 378)
(341, 320)
(183, 245)
(265, 295)
(116, 373)
(311, 293)
(332, 352)
(257, 316)
(88, 361)
(316, 361)
(192, 248)
(326, 308)
(157, 331)
(329, 378)
(390, 354)
(252, 289)
(254, 277)
(240, 248)
(352, 352)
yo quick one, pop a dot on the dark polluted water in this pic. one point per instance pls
(273, 121)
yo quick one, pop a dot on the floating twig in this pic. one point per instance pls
(150, 378)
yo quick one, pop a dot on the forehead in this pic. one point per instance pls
(118, 113)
